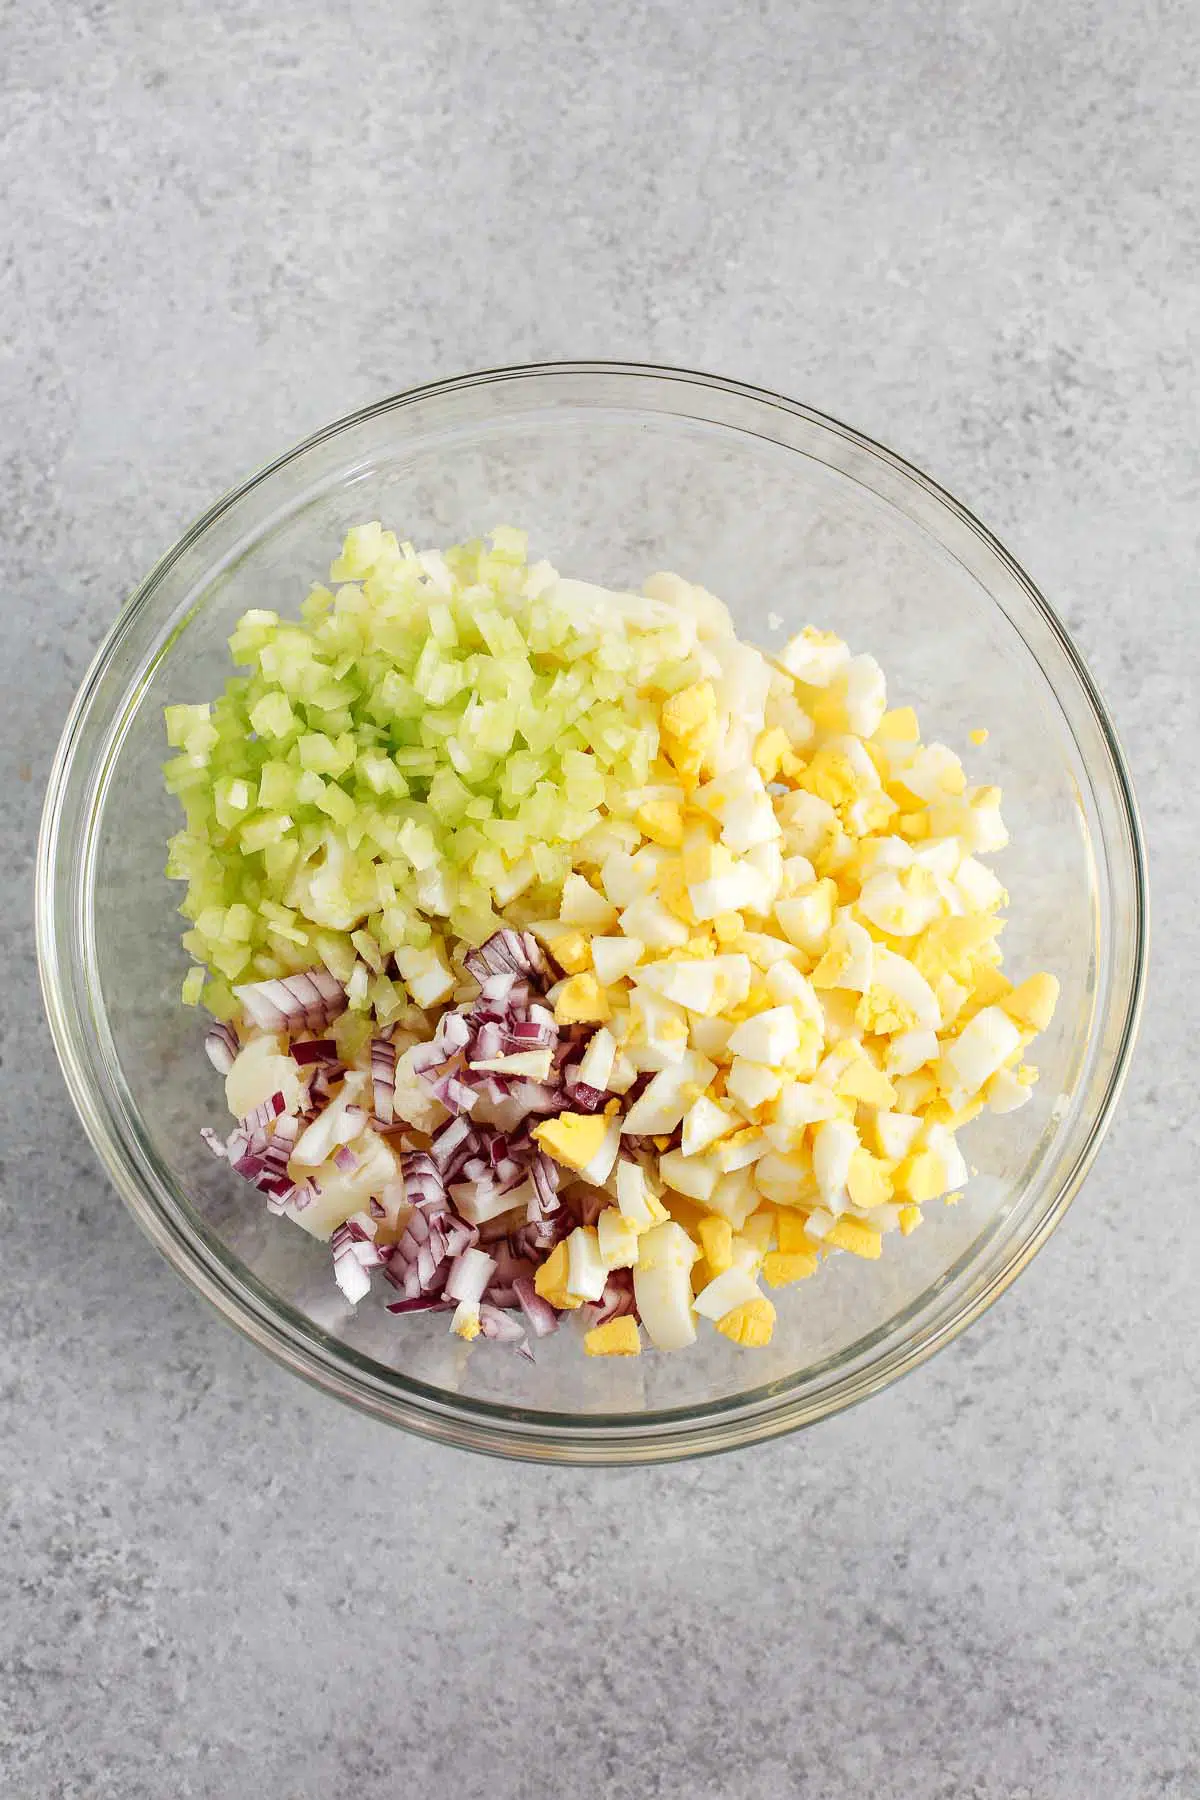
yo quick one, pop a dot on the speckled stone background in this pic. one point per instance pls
(971, 230)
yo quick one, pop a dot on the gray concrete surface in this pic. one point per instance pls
(970, 229)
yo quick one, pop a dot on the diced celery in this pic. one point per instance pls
(220, 1000)
(483, 726)
(273, 716)
(442, 626)
(232, 798)
(291, 934)
(521, 774)
(310, 788)
(279, 860)
(193, 987)
(230, 959)
(268, 828)
(416, 841)
(317, 752)
(277, 786)
(182, 720)
(351, 1032)
(254, 629)
(239, 924)
(337, 804)
(368, 949)
(386, 998)
(416, 761)
(362, 545)
(316, 604)
(336, 953)
(184, 773)
(449, 797)
(381, 774)
(210, 922)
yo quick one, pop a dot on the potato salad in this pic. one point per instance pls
(571, 957)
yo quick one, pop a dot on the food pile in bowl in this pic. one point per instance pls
(570, 956)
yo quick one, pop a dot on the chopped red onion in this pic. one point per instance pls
(583, 1098)
(524, 1034)
(454, 1094)
(502, 1328)
(507, 952)
(339, 1122)
(323, 1076)
(291, 1197)
(511, 1264)
(423, 1181)
(615, 1302)
(497, 988)
(469, 1275)
(264, 1115)
(536, 1237)
(490, 1042)
(587, 1202)
(451, 1144)
(352, 1279)
(540, 1316)
(311, 998)
(491, 1169)
(537, 1097)
(355, 1255)
(419, 1262)
(221, 1047)
(546, 1176)
(383, 1078)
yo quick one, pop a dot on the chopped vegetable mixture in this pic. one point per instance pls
(570, 955)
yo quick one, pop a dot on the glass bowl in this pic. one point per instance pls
(615, 471)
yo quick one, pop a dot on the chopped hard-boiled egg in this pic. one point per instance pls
(615, 957)
(616, 1337)
(982, 1047)
(695, 1176)
(725, 1291)
(637, 1203)
(750, 1324)
(618, 1239)
(550, 1281)
(582, 1001)
(814, 657)
(662, 1106)
(768, 1037)
(662, 1285)
(586, 1270)
(752, 1084)
(834, 1144)
(716, 1241)
(572, 1139)
(705, 1122)
(582, 905)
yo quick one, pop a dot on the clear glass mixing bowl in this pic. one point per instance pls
(615, 471)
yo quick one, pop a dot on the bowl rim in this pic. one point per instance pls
(755, 1415)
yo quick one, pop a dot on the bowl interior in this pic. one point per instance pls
(780, 513)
